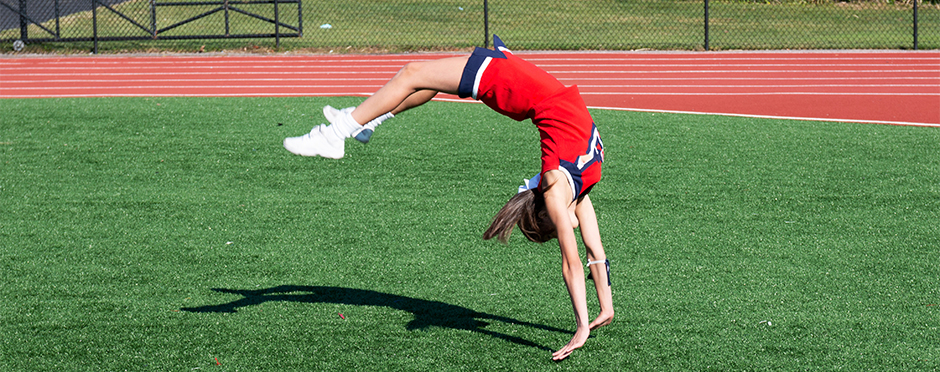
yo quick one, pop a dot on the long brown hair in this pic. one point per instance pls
(527, 210)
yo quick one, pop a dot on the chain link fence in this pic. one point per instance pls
(435, 25)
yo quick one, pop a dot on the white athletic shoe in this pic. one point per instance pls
(319, 142)
(363, 135)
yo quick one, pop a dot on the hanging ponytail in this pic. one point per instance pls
(526, 210)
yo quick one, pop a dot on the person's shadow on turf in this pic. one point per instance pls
(426, 313)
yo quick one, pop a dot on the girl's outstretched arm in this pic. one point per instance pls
(590, 234)
(557, 200)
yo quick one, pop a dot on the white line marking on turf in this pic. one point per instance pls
(902, 123)
(759, 94)
(145, 87)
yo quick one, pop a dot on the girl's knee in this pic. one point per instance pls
(442, 75)
(410, 72)
(411, 69)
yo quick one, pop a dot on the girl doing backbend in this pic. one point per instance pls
(553, 203)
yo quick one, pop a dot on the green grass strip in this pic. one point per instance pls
(410, 25)
(177, 233)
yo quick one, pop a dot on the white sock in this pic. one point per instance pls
(375, 122)
(345, 126)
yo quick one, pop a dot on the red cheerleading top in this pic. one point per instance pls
(520, 90)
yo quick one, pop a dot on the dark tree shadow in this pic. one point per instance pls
(426, 313)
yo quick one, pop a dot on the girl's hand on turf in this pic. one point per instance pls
(577, 341)
(602, 320)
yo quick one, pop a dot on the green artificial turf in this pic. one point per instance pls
(177, 234)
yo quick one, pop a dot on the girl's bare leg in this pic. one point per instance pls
(418, 79)
(414, 100)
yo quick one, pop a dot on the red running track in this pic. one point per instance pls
(887, 87)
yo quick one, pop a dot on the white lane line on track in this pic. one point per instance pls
(301, 69)
(558, 74)
(299, 94)
(11, 92)
(561, 68)
(53, 81)
(48, 85)
(171, 73)
(759, 86)
(761, 94)
(622, 82)
(582, 59)
(731, 78)
(56, 79)
(596, 72)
